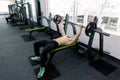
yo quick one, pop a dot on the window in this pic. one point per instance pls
(109, 23)
(80, 19)
(4, 7)
(61, 7)
(90, 18)
(107, 11)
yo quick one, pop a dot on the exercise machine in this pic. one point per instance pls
(18, 16)
(55, 33)
(90, 31)
(53, 52)
(11, 13)
(42, 28)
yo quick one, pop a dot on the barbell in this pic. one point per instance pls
(57, 19)
(90, 28)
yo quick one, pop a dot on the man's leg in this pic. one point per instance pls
(7, 20)
(49, 47)
(37, 46)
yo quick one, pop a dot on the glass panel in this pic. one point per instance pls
(109, 23)
(80, 19)
(107, 11)
(61, 7)
(4, 7)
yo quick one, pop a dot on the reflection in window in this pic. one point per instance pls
(90, 18)
(105, 20)
(86, 11)
(80, 19)
(109, 23)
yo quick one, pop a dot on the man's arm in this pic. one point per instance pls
(79, 33)
(61, 27)
(74, 38)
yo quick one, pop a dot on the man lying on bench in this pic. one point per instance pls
(50, 45)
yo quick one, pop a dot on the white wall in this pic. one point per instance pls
(111, 43)
(44, 7)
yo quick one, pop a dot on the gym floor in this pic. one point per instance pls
(15, 65)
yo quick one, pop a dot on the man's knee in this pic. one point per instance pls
(35, 44)
(47, 49)
(6, 18)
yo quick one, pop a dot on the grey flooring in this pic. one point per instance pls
(15, 65)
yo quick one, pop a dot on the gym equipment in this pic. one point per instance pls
(54, 34)
(91, 26)
(90, 30)
(95, 20)
(57, 19)
(29, 37)
(38, 11)
(53, 52)
(19, 16)
(22, 2)
(26, 18)
(11, 8)
(8, 19)
(22, 17)
(99, 64)
(70, 23)
(51, 71)
(98, 30)
(95, 56)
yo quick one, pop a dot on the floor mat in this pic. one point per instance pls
(33, 62)
(50, 73)
(102, 66)
(27, 39)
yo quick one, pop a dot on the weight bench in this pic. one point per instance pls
(51, 71)
(52, 53)
(29, 37)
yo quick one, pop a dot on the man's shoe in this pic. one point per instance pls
(41, 72)
(35, 58)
